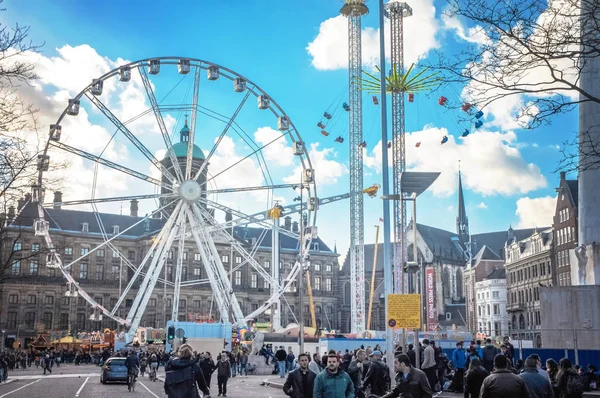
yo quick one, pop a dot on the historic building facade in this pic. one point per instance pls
(565, 230)
(492, 317)
(528, 267)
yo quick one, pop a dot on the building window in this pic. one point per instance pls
(131, 255)
(170, 272)
(328, 284)
(317, 266)
(85, 227)
(197, 257)
(99, 272)
(17, 246)
(267, 264)
(317, 283)
(68, 251)
(85, 250)
(13, 299)
(49, 300)
(29, 320)
(115, 229)
(495, 294)
(448, 316)
(35, 247)
(152, 302)
(63, 322)
(238, 278)
(11, 321)
(566, 214)
(238, 260)
(83, 271)
(115, 272)
(328, 267)
(496, 309)
(185, 255)
(488, 310)
(47, 320)
(316, 246)
(81, 321)
(197, 303)
(224, 258)
(115, 254)
(254, 281)
(197, 272)
(15, 268)
(479, 310)
(182, 304)
(34, 267)
(170, 255)
(100, 253)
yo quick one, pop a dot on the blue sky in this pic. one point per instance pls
(508, 172)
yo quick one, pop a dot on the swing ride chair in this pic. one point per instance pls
(187, 211)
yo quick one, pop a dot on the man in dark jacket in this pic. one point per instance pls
(357, 371)
(411, 355)
(411, 381)
(511, 349)
(378, 375)
(300, 382)
(537, 384)
(503, 383)
(208, 367)
(185, 368)
(223, 372)
(489, 353)
(281, 355)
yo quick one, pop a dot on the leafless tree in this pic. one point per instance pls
(535, 49)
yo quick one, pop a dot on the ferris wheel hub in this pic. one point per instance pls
(190, 191)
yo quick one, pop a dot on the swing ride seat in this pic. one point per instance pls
(442, 101)
(389, 144)
(478, 124)
(363, 144)
(418, 144)
(346, 107)
(325, 133)
(411, 97)
(445, 139)
(327, 116)
(339, 139)
(372, 190)
(465, 133)
(478, 115)
(466, 107)
(375, 100)
(320, 125)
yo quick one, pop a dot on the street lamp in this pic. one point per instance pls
(413, 184)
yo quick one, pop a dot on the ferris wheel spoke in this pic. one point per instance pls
(247, 189)
(201, 213)
(152, 253)
(134, 140)
(113, 199)
(223, 133)
(158, 262)
(160, 121)
(239, 161)
(178, 269)
(110, 164)
(106, 242)
(220, 290)
(190, 151)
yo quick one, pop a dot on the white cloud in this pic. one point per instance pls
(535, 212)
(486, 159)
(276, 152)
(482, 205)
(329, 50)
(327, 171)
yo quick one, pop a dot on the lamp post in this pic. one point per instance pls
(3, 340)
(302, 271)
(412, 185)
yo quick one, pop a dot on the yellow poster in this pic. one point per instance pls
(404, 311)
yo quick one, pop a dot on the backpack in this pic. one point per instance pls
(574, 386)
(180, 383)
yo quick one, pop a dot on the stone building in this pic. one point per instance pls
(565, 230)
(492, 317)
(32, 296)
(528, 267)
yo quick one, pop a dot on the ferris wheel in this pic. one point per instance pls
(191, 196)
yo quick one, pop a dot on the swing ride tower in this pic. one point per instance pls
(354, 10)
(396, 11)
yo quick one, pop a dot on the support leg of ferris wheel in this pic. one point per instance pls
(156, 266)
(221, 273)
(177, 287)
(276, 308)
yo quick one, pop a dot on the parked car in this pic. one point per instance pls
(113, 370)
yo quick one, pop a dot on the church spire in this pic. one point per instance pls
(462, 222)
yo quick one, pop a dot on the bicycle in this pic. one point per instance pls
(131, 379)
(152, 374)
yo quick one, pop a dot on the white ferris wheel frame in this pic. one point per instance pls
(187, 212)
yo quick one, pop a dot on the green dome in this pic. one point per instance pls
(181, 149)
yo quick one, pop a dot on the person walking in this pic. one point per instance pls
(333, 382)
(429, 366)
(223, 372)
(280, 356)
(569, 383)
(489, 352)
(474, 378)
(377, 377)
(183, 376)
(459, 361)
(537, 384)
(208, 367)
(244, 363)
(357, 371)
(315, 364)
(412, 382)
(502, 382)
(300, 382)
